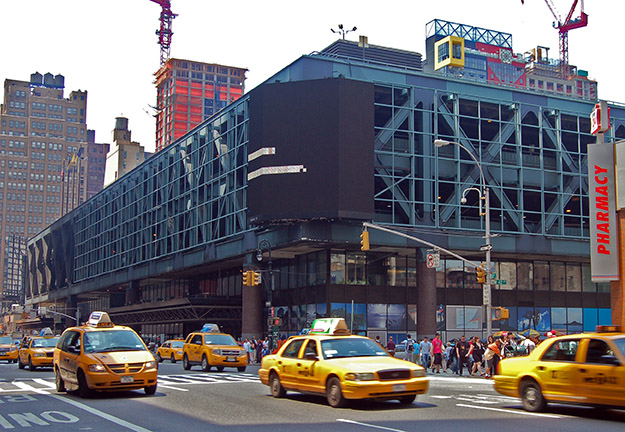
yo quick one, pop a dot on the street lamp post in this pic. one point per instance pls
(265, 244)
(485, 196)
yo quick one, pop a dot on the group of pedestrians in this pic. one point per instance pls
(256, 349)
(477, 357)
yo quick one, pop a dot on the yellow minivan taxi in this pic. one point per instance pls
(101, 356)
(209, 347)
(37, 351)
(330, 361)
(586, 369)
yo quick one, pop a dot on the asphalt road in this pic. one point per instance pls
(230, 401)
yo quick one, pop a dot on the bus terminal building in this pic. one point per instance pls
(281, 180)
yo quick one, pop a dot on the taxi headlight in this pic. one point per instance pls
(39, 354)
(360, 376)
(97, 367)
(150, 365)
(417, 373)
(13, 348)
(217, 351)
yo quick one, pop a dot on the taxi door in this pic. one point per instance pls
(195, 348)
(70, 355)
(600, 376)
(556, 367)
(288, 364)
(309, 356)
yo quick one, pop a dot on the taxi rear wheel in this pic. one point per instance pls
(220, 368)
(241, 368)
(60, 384)
(150, 390)
(31, 366)
(532, 397)
(406, 400)
(185, 363)
(206, 366)
(20, 365)
(334, 394)
(173, 359)
(277, 390)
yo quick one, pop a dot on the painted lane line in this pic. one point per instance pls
(441, 397)
(474, 400)
(45, 383)
(86, 408)
(161, 385)
(370, 425)
(508, 411)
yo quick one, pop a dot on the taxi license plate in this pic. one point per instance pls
(231, 359)
(127, 379)
(399, 387)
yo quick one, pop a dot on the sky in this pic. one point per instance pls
(110, 49)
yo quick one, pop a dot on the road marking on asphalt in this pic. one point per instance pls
(370, 425)
(508, 411)
(86, 408)
(44, 383)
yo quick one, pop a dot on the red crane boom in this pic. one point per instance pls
(563, 31)
(164, 32)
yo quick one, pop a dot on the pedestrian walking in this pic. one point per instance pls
(492, 356)
(409, 348)
(437, 352)
(477, 352)
(417, 352)
(462, 352)
(426, 351)
(390, 346)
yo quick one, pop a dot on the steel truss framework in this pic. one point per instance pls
(180, 314)
(534, 160)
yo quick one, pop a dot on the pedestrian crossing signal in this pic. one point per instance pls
(500, 314)
(275, 322)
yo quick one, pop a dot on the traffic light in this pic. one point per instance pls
(500, 314)
(480, 274)
(256, 279)
(275, 322)
(364, 241)
(247, 277)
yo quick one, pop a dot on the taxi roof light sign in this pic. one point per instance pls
(210, 328)
(329, 326)
(100, 319)
(609, 329)
(46, 332)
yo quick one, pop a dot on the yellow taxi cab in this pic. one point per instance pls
(101, 356)
(37, 351)
(330, 361)
(170, 349)
(587, 369)
(209, 347)
(8, 349)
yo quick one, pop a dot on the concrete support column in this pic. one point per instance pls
(426, 300)
(252, 312)
(617, 288)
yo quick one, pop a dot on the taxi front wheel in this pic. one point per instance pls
(532, 397)
(83, 387)
(150, 390)
(334, 394)
(206, 366)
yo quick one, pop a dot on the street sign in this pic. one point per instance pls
(486, 296)
(486, 247)
(499, 282)
(433, 259)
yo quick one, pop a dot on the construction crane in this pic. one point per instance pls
(563, 28)
(165, 33)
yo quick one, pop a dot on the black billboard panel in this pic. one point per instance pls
(311, 151)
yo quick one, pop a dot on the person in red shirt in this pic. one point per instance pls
(437, 350)
(390, 346)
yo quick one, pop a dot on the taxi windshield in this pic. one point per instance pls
(620, 343)
(6, 340)
(112, 340)
(351, 347)
(44, 343)
(177, 344)
(218, 339)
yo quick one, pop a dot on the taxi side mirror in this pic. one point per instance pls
(73, 349)
(610, 360)
(311, 356)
